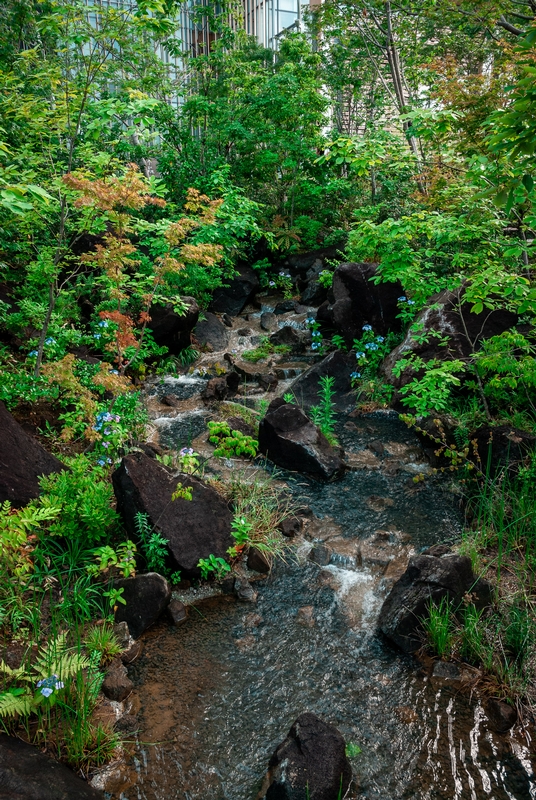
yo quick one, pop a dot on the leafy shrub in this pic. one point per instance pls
(231, 444)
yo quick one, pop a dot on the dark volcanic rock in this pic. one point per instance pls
(238, 424)
(222, 387)
(170, 329)
(117, 685)
(28, 774)
(193, 528)
(22, 461)
(291, 337)
(501, 715)
(310, 764)
(427, 578)
(268, 321)
(502, 446)
(314, 294)
(338, 365)
(291, 441)
(285, 306)
(211, 331)
(177, 612)
(449, 317)
(233, 298)
(146, 598)
(290, 526)
(257, 561)
(357, 301)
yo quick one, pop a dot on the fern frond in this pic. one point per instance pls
(11, 704)
(19, 674)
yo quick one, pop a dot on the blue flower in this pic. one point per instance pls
(107, 431)
(106, 444)
(380, 339)
(310, 320)
(360, 355)
(316, 334)
(48, 685)
(32, 354)
(103, 323)
(101, 462)
(402, 299)
(187, 451)
(367, 327)
(272, 283)
(355, 375)
(315, 346)
(96, 335)
(411, 302)
(371, 346)
(46, 692)
(50, 340)
(114, 372)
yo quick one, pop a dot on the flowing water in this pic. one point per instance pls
(215, 696)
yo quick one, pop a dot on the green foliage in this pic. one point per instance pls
(213, 565)
(154, 546)
(438, 626)
(122, 558)
(323, 414)
(230, 444)
(101, 639)
(84, 498)
(264, 350)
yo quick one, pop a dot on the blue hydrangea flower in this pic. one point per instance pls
(360, 355)
(316, 334)
(96, 336)
(367, 327)
(315, 345)
(106, 444)
(272, 283)
(103, 323)
(48, 685)
(411, 302)
(355, 375)
(101, 462)
(50, 340)
(187, 451)
(32, 354)
(402, 299)
(114, 371)
(380, 339)
(371, 346)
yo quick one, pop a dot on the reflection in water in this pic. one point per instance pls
(217, 695)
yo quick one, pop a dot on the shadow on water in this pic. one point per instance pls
(217, 695)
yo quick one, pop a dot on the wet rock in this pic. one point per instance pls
(314, 294)
(128, 723)
(244, 331)
(502, 446)
(306, 616)
(320, 554)
(284, 307)
(193, 528)
(122, 634)
(357, 301)
(501, 715)
(437, 550)
(245, 591)
(170, 400)
(117, 685)
(427, 578)
(337, 365)
(451, 318)
(220, 388)
(310, 764)
(290, 526)
(177, 612)
(406, 714)
(170, 329)
(132, 652)
(238, 424)
(291, 441)
(28, 774)
(22, 461)
(268, 321)
(227, 320)
(290, 337)
(232, 299)
(146, 597)
(257, 561)
(252, 620)
(268, 381)
(446, 671)
(211, 331)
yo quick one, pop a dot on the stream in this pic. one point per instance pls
(215, 696)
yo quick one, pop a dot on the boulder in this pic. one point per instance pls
(427, 578)
(291, 337)
(454, 323)
(211, 331)
(357, 300)
(501, 446)
(177, 612)
(233, 298)
(193, 528)
(268, 321)
(239, 424)
(146, 598)
(257, 561)
(22, 461)
(117, 685)
(170, 329)
(310, 764)
(222, 387)
(290, 526)
(501, 715)
(314, 294)
(289, 439)
(285, 307)
(338, 365)
(28, 774)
